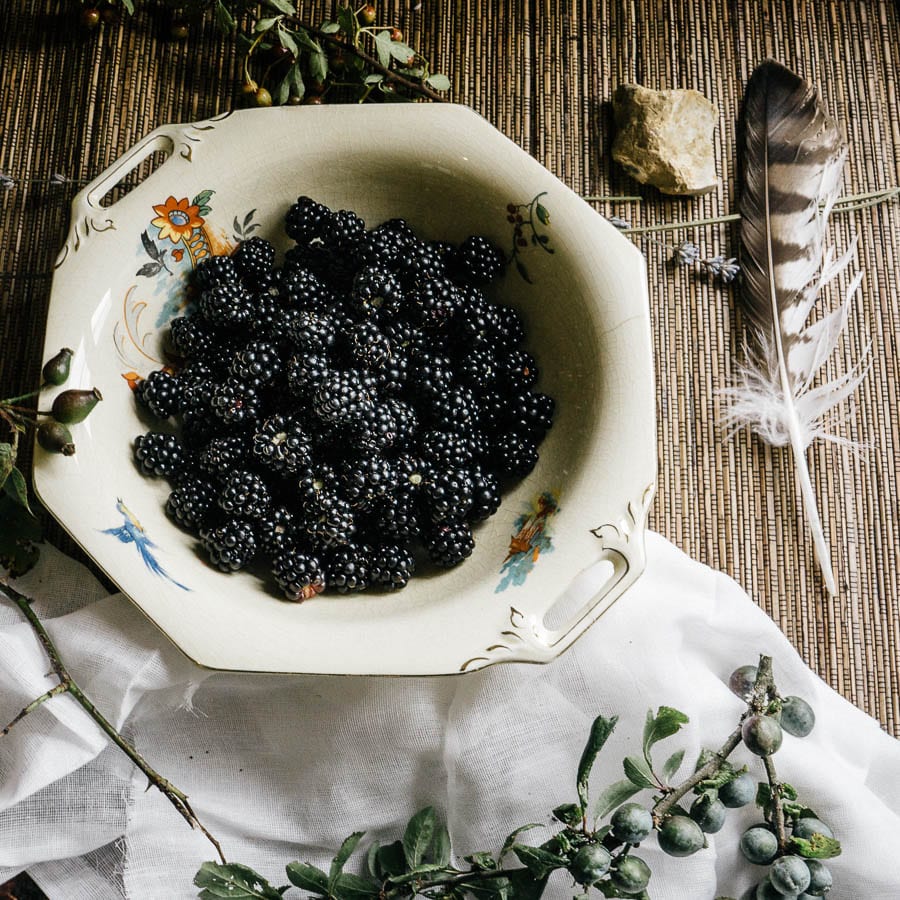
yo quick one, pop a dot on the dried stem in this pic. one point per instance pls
(68, 686)
(777, 806)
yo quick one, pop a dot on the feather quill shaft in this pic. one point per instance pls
(794, 156)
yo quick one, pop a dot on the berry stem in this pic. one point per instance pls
(68, 686)
(7, 401)
(777, 806)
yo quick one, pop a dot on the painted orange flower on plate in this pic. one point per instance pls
(176, 219)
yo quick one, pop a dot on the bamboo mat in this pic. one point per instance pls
(543, 72)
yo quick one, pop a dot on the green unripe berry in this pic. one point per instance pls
(74, 406)
(708, 814)
(90, 18)
(55, 437)
(789, 875)
(590, 864)
(631, 823)
(762, 735)
(742, 680)
(367, 14)
(630, 874)
(56, 370)
(820, 880)
(806, 828)
(797, 716)
(738, 792)
(262, 97)
(680, 836)
(759, 845)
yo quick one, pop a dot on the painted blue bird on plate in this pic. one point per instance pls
(132, 532)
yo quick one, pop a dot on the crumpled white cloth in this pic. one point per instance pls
(282, 768)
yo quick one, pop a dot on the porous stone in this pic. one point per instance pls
(664, 138)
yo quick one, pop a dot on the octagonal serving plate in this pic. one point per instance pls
(567, 541)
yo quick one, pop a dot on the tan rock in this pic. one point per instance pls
(664, 138)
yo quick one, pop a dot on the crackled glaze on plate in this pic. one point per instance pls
(566, 542)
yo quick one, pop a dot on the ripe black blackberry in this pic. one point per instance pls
(272, 319)
(192, 503)
(478, 261)
(306, 371)
(236, 402)
(159, 392)
(276, 531)
(449, 543)
(405, 419)
(530, 412)
(376, 430)
(343, 232)
(306, 220)
(347, 568)
(447, 493)
(191, 336)
(419, 263)
(198, 423)
(477, 324)
(432, 303)
(457, 410)
(433, 375)
(159, 454)
(223, 455)
(312, 483)
(257, 363)
(492, 412)
(227, 306)
(213, 270)
(511, 329)
(485, 494)
(282, 444)
(391, 567)
(341, 397)
(231, 545)
(396, 516)
(376, 293)
(407, 340)
(312, 331)
(513, 455)
(479, 369)
(446, 449)
(254, 259)
(303, 289)
(516, 371)
(328, 519)
(392, 374)
(365, 479)
(299, 575)
(367, 345)
(245, 494)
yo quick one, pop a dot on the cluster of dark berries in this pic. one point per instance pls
(342, 414)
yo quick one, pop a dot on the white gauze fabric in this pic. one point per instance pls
(282, 768)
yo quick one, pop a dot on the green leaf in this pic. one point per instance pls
(511, 837)
(481, 860)
(129, 6)
(672, 764)
(638, 772)
(203, 198)
(265, 24)
(403, 53)
(817, 847)
(19, 534)
(763, 795)
(788, 790)
(7, 462)
(490, 888)
(374, 78)
(416, 872)
(441, 850)
(224, 20)
(287, 40)
(383, 47)
(284, 6)
(524, 886)
(281, 92)
(568, 813)
(372, 866)
(418, 835)
(665, 723)
(799, 811)
(542, 213)
(330, 28)
(308, 877)
(353, 887)
(341, 857)
(600, 732)
(726, 772)
(613, 797)
(391, 858)
(233, 880)
(539, 862)
(318, 65)
(15, 487)
(347, 20)
(438, 82)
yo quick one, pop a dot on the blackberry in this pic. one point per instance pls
(192, 503)
(311, 331)
(392, 374)
(420, 262)
(446, 449)
(258, 363)
(276, 531)
(299, 575)
(448, 493)
(344, 231)
(341, 397)
(254, 259)
(306, 371)
(511, 330)
(366, 479)
(479, 369)
(516, 370)
(347, 568)
(272, 319)
(215, 270)
(407, 340)
(282, 445)
(377, 292)
(315, 482)
(433, 303)
(222, 455)
(530, 413)
(514, 455)
(485, 494)
(457, 410)
(236, 402)
(245, 494)
(377, 429)
(405, 420)
(159, 454)
(477, 325)
(478, 261)
(433, 376)
(303, 289)
(307, 220)
(231, 545)
(492, 412)
(191, 336)
(449, 543)
(329, 519)
(160, 392)
(194, 382)
(198, 423)
(368, 346)
(227, 306)
(396, 516)
(391, 567)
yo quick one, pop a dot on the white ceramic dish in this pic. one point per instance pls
(566, 543)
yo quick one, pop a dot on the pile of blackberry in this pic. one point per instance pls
(349, 414)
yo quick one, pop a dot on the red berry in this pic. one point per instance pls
(313, 100)
(367, 14)
(396, 34)
(90, 18)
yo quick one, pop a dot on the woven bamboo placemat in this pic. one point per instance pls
(543, 72)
